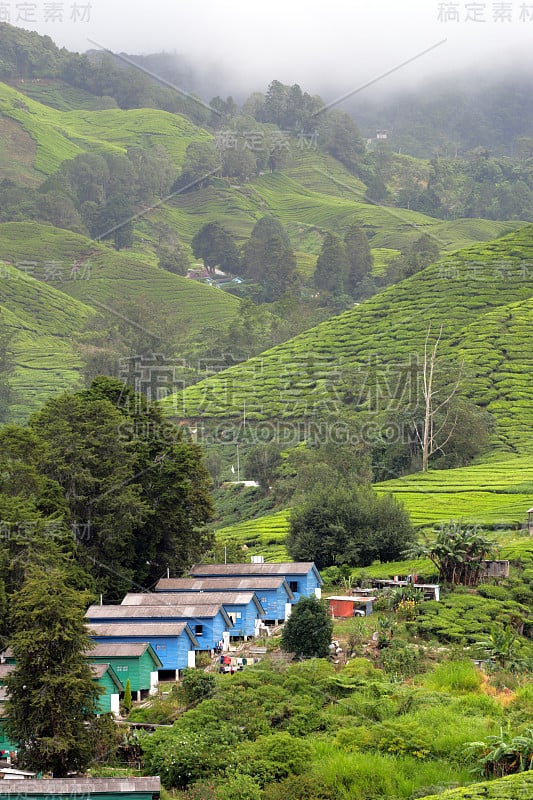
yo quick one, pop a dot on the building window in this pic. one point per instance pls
(293, 586)
(198, 630)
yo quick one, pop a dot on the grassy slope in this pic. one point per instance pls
(313, 194)
(45, 353)
(115, 277)
(485, 311)
(61, 135)
(44, 323)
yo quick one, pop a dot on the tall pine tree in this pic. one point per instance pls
(332, 265)
(359, 257)
(52, 698)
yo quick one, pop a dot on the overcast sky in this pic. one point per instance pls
(325, 45)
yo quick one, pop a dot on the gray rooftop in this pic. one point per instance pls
(149, 629)
(287, 568)
(237, 583)
(119, 650)
(81, 786)
(173, 599)
(181, 611)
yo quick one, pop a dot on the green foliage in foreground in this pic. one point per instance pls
(308, 730)
(513, 787)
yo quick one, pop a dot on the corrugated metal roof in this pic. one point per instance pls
(99, 670)
(185, 598)
(149, 629)
(121, 650)
(181, 611)
(253, 583)
(287, 568)
(81, 786)
(352, 598)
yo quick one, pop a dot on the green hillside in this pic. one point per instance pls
(50, 302)
(60, 135)
(114, 278)
(314, 195)
(495, 494)
(44, 324)
(483, 291)
(261, 536)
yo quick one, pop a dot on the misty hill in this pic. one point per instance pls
(464, 112)
(310, 191)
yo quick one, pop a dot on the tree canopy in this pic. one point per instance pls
(103, 465)
(353, 526)
(307, 632)
(216, 247)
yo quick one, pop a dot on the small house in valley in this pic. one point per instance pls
(105, 676)
(243, 608)
(302, 577)
(173, 642)
(136, 661)
(273, 592)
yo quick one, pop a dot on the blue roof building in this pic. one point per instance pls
(207, 622)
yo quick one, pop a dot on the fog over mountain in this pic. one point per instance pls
(238, 46)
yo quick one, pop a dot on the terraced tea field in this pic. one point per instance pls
(45, 324)
(111, 278)
(262, 536)
(495, 494)
(61, 135)
(482, 298)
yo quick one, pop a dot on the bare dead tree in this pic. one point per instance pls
(430, 432)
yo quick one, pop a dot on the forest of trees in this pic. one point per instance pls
(101, 476)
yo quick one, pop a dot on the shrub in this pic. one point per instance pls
(301, 787)
(272, 758)
(239, 787)
(493, 592)
(127, 702)
(197, 684)
(401, 660)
